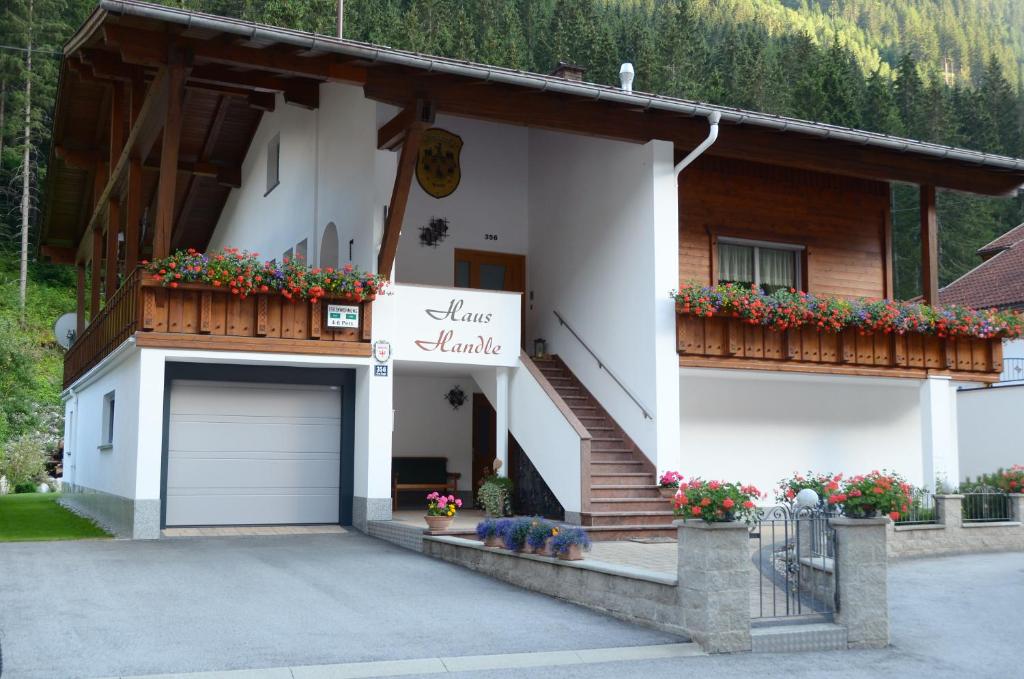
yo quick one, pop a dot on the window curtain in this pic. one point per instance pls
(735, 263)
(778, 269)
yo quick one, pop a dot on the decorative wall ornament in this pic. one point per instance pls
(455, 397)
(437, 164)
(434, 232)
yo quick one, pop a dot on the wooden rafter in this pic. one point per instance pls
(399, 198)
(929, 246)
(167, 183)
(209, 143)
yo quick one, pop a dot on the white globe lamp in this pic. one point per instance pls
(807, 498)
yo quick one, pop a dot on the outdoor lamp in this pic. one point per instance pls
(807, 498)
(540, 347)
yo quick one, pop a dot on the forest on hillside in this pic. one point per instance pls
(948, 71)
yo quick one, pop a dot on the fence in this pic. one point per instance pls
(1013, 370)
(985, 504)
(922, 510)
(794, 555)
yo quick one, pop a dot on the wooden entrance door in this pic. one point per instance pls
(492, 271)
(484, 439)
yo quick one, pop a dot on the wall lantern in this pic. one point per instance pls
(540, 347)
(434, 232)
(455, 397)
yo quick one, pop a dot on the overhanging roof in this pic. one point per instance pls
(237, 61)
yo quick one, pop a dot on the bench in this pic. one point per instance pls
(421, 473)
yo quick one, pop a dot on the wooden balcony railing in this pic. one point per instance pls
(720, 342)
(195, 316)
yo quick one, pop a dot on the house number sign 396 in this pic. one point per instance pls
(490, 236)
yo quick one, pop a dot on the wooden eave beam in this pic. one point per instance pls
(226, 175)
(58, 255)
(517, 106)
(149, 47)
(140, 139)
(399, 198)
(391, 134)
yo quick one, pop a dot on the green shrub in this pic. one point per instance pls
(24, 487)
(495, 495)
(23, 461)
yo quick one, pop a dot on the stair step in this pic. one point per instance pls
(617, 505)
(627, 518)
(608, 466)
(560, 388)
(611, 456)
(624, 491)
(607, 533)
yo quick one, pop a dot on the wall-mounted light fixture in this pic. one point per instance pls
(455, 397)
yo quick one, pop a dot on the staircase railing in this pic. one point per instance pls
(603, 366)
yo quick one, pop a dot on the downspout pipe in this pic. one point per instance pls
(713, 119)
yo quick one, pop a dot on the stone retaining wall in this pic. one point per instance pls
(952, 536)
(620, 591)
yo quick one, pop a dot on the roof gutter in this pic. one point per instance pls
(713, 121)
(376, 53)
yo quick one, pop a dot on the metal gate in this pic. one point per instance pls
(795, 571)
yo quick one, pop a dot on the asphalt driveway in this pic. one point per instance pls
(107, 608)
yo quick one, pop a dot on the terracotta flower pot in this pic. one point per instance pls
(493, 541)
(526, 548)
(667, 492)
(438, 523)
(546, 550)
(573, 553)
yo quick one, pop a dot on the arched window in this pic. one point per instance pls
(329, 246)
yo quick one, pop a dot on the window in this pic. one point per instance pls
(329, 247)
(301, 250)
(287, 256)
(771, 266)
(108, 421)
(273, 163)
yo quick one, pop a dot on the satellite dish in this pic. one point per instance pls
(65, 329)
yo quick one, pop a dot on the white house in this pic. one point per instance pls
(554, 209)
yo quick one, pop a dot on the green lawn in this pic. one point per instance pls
(37, 516)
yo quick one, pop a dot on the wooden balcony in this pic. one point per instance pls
(720, 342)
(203, 317)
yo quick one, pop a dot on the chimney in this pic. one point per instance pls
(569, 71)
(626, 77)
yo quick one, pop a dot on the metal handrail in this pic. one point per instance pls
(602, 366)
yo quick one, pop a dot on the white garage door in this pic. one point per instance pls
(252, 454)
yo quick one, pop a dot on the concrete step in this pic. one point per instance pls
(627, 518)
(626, 532)
(599, 478)
(610, 455)
(615, 466)
(623, 490)
(629, 504)
(788, 638)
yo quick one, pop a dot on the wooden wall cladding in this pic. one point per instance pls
(730, 342)
(840, 221)
(203, 310)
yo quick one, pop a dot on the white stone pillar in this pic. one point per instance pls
(501, 419)
(939, 451)
(149, 455)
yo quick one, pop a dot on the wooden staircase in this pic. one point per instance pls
(624, 499)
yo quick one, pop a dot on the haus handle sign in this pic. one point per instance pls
(457, 325)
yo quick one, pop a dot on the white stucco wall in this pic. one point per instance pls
(330, 170)
(604, 253)
(427, 426)
(989, 429)
(491, 199)
(110, 470)
(754, 427)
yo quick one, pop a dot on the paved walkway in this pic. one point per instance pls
(123, 608)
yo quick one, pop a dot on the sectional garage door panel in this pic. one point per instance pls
(252, 454)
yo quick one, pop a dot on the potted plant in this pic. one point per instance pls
(570, 543)
(867, 495)
(490, 530)
(668, 484)
(538, 537)
(1011, 480)
(441, 511)
(716, 501)
(495, 496)
(515, 532)
(822, 484)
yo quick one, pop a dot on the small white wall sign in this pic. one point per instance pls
(342, 316)
(457, 325)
